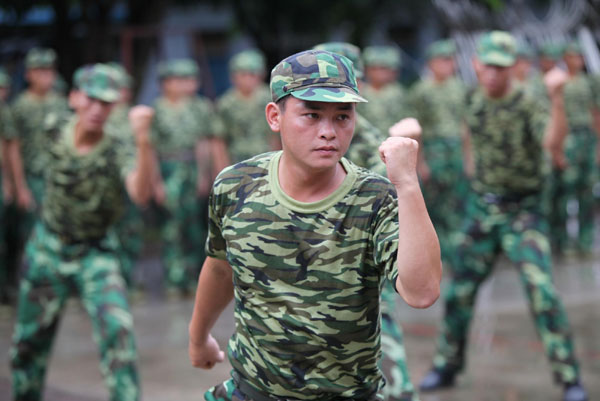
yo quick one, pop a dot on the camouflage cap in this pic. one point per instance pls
(125, 80)
(497, 48)
(316, 75)
(553, 51)
(573, 47)
(4, 79)
(40, 58)
(441, 48)
(251, 60)
(525, 51)
(382, 56)
(100, 82)
(184, 67)
(347, 50)
(80, 74)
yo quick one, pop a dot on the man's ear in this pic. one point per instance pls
(273, 114)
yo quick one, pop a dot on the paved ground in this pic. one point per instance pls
(505, 360)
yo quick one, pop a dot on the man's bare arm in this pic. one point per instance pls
(557, 129)
(139, 181)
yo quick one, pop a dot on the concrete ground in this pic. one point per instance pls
(505, 360)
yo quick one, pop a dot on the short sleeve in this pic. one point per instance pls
(216, 246)
(7, 126)
(385, 238)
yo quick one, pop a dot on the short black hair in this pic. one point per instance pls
(281, 102)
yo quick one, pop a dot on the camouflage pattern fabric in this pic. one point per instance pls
(98, 177)
(315, 75)
(307, 280)
(176, 130)
(506, 137)
(178, 68)
(520, 230)
(497, 48)
(40, 57)
(577, 180)
(242, 124)
(386, 106)
(250, 60)
(440, 108)
(364, 152)
(130, 226)
(56, 272)
(382, 56)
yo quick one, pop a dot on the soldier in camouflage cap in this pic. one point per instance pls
(438, 103)
(363, 151)
(40, 58)
(576, 181)
(73, 250)
(550, 55)
(388, 101)
(507, 135)
(241, 134)
(524, 63)
(182, 133)
(303, 240)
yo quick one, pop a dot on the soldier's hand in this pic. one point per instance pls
(407, 127)
(400, 156)
(205, 356)
(140, 118)
(555, 80)
(25, 199)
(158, 193)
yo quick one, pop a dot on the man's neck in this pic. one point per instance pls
(86, 141)
(38, 93)
(306, 185)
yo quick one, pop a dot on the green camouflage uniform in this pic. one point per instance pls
(241, 122)
(73, 251)
(439, 107)
(504, 214)
(577, 180)
(176, 131)
(328, 347)
(364, 152)
(331, 349)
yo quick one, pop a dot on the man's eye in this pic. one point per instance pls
(312, 115)
(343, 117)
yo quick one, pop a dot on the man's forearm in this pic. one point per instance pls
(419, 264)
(220, 158)
(141, 187)
(15, 164)
(215, 291)
(557, 128)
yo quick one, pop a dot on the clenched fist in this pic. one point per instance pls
(140, 118)
(407, 127)
(400, 156)
(205, 356)
(555, 80)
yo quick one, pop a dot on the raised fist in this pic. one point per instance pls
(555, 80)
(140, 118)
(400, 156)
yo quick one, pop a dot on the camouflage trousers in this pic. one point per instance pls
(228, 391)
(184, 225)
(519, 229)
(129, 231)
(398, 386)
(56, 272)
(576, 182)
(445, 192)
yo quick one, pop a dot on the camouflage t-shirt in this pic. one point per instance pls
(176, 128)
(580, 99)
(85, 192)
(385, 107)
(243, 125)
(364, 148)
(439, 107)
(506, 141)
(30, 115)
(307, 279)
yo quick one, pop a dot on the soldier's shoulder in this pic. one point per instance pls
(369, 182)
(249, 169)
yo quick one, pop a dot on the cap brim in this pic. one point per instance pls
(329, 94)
(498, 59)
(108, 96)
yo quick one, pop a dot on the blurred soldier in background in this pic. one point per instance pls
(246, 135)
(507, 132)
(438, 103)
(73, 250)
(387, 99)
(36, 111)
(576, 180)
(181, 133)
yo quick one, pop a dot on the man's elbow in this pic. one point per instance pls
(423, 298)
